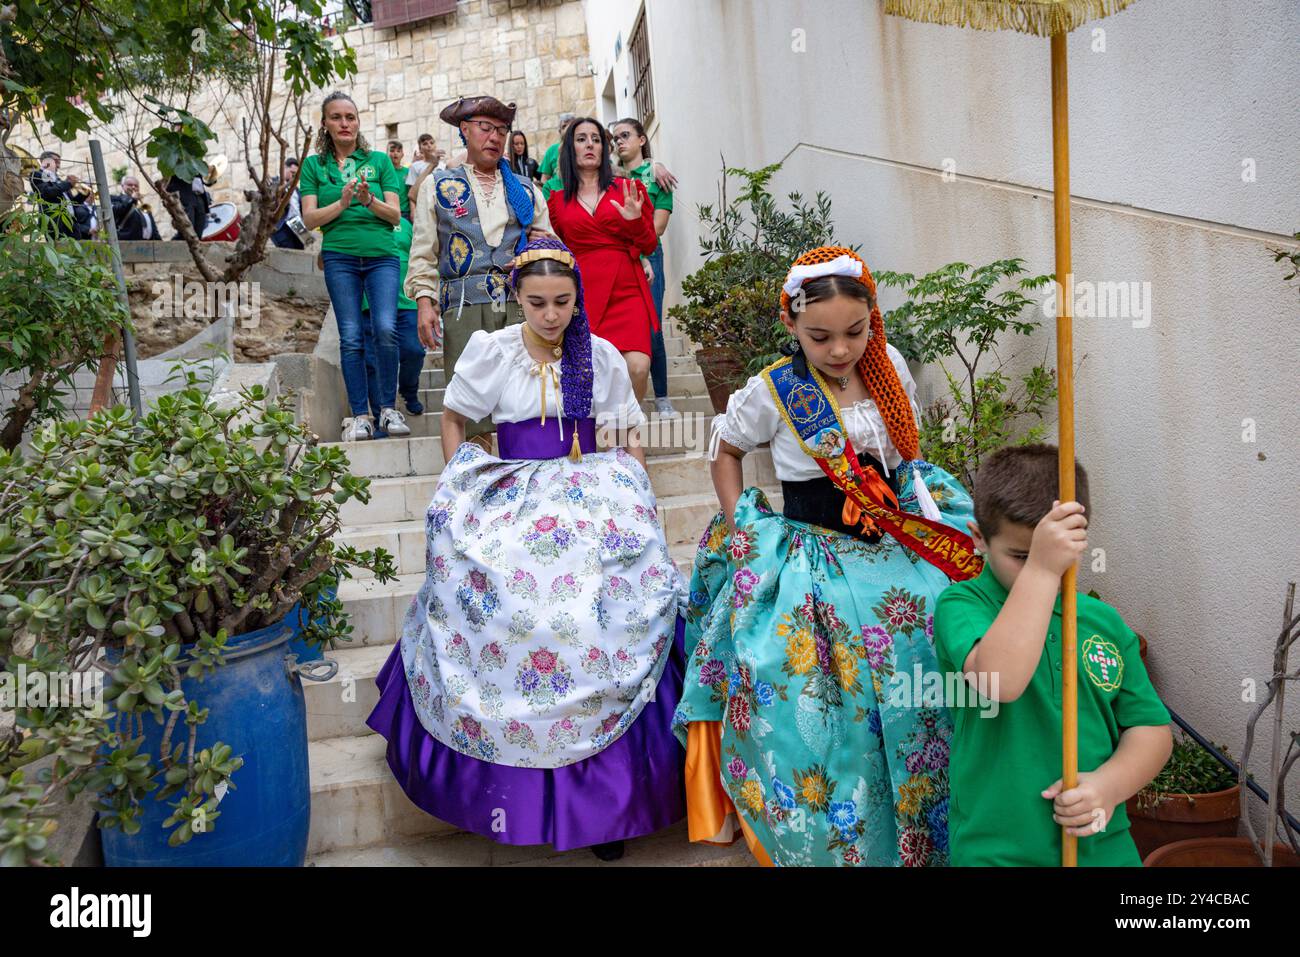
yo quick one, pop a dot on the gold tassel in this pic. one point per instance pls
(542, 376)
(1043, 17)
(575, 453)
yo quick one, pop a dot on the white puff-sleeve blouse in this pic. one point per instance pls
(495, 376)
(752, 418)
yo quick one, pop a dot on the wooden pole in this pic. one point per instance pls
(1065, 412)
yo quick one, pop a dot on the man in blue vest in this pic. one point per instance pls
(469, 221)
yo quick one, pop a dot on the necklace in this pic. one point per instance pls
(556, 346)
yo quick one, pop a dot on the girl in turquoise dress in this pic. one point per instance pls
(811, 626)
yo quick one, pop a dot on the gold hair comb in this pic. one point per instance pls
(532, 255)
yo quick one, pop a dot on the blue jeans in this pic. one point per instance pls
(410, 360)
(347, 278)
(658, 356)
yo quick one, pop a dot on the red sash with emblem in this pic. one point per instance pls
(813, 416)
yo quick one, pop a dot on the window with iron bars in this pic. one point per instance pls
(643, 91)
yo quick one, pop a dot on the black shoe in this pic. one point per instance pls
(413, 406)
(608, 852)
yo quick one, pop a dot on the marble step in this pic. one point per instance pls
(389, 458)
(406, 542)
(684, 377)
(338, 707)
(356, 801)
(375, 610)
(667, 848)
(683, 516)
(683, 401)
(675, 347)
(421, 452)
(430, 424)
(400, 498)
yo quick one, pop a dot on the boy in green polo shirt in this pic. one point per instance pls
(1002, 630)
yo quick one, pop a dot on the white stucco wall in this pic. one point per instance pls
(1199, 526)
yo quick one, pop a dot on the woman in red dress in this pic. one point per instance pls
(609, 225)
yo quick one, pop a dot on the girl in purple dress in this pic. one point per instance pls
(531, 696)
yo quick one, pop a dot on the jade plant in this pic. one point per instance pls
(1190, 770)
(58, 303)
(137, 551)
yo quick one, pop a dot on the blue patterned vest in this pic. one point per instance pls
(471, 271)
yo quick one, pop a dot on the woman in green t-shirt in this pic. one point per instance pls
(350, 192)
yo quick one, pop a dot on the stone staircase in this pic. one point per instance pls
(359, 814)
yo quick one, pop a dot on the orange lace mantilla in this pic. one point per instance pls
(875, 367)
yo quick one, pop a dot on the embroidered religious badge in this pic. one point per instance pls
(1103, 663)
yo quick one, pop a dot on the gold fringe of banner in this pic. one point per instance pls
(1043, 17)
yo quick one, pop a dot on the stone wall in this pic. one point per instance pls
(533, 52)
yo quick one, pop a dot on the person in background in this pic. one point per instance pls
(53, 191)
(470, 221)
(633, 150)
(132, 216)
(432, 158)
(608, 223)
(521, 164)
(195, 199)
(341, 189)
(284, 237)
(410, 351)
(85, 215)
(395, 155)
(548, 171)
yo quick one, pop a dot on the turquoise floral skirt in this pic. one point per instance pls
(805, 643)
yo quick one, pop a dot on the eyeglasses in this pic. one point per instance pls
(620, 137)
(486, 127)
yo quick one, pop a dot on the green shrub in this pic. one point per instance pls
(954, 312)
(154, 544)
(58, 304)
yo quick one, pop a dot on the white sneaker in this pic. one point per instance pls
(664, 407)
(391, 421)
(357, 429)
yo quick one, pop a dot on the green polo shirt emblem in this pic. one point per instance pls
(1103, 663)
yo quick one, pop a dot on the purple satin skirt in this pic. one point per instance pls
(530, 439)
(635, 786)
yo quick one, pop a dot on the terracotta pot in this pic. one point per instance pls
(1217, 852)
(723, 374)
(1181, 817)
